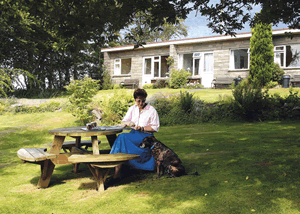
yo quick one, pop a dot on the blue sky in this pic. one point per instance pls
(197, 25)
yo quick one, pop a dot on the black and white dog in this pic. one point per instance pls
(164, 157)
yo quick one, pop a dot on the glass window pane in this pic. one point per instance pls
(147, 66)
(208, 62)
(196, 66)
(164, 66)
(240, 59)
(126, 66)
(188, 62)
(292, 56)
(156, 69)
(117, 69)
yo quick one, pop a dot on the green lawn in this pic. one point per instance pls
(243, 167)
(208, 95)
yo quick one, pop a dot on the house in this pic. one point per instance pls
(205, 57)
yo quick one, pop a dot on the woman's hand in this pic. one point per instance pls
(139, 128)
(129, 123)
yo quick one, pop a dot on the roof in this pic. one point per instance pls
(197, 40)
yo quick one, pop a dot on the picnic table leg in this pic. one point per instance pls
(111, 139)
(47, 168)
(78, 145)
(100, 179)
(95, 145)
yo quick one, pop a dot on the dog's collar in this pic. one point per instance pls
(153, 145)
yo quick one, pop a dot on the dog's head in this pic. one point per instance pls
(148, 142)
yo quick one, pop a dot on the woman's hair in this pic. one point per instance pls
(139, 93)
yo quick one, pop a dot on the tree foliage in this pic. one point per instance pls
(226, 17)
(261, 55)
(140, 32)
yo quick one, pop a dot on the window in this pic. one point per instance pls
(239, 59)
(197, 63)
(287, 55)
(156, 66)
(122, 66)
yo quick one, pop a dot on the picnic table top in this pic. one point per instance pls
(80, 132)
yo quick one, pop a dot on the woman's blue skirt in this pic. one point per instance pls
(129, 143)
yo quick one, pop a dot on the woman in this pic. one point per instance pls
(144, 120)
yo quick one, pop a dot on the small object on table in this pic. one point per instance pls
(91, 125)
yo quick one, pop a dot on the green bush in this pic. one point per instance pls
(277, 74)
(148, 86)
(50, 106)
(186, 101)
(248, 101)
(179, 78)
(271, 84)
(82, 92)
(106, 81)
(161, 83)
(115, 107)
(117, 86)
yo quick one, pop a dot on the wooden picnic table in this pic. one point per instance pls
(60, 134)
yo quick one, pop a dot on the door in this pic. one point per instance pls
(207, 69)
(151, 69)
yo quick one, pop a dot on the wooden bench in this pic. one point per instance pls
(106, 161)
(295, 81)
(130, 83)
(34, 155)
(222, 82)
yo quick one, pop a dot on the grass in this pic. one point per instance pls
(243, 167)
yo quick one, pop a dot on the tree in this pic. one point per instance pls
(140, 32)
(53, 40)
(228, 16)
(261, 55)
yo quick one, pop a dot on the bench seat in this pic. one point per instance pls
(222, 82)
(34, 154)
(295, 81)
(94, 162)
(130, 83)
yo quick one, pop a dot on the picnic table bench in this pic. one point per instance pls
(295, 81)
(104, 161)
(222, 82)
(130, 83)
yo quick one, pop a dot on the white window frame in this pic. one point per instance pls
(231, 61)
(153, 60)
(276, 51)
(118, 61)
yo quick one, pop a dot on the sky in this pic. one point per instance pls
(197, 25)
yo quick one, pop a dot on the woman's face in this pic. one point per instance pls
(140, 101)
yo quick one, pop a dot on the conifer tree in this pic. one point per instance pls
(261, 55)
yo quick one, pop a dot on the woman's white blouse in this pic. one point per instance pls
(147, 117)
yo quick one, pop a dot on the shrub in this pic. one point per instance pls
(271, 84)
(117, 86)
(106, 81)
(179, 78)
(261, 55)
(115, 107)
(186, 101)
(148, 86)
(50, 106)
(160, 84)
(248, 101)
(277, 74)
(80, 99)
